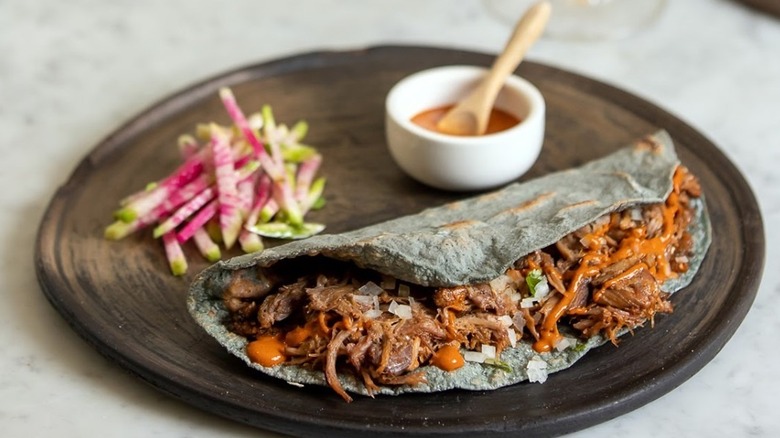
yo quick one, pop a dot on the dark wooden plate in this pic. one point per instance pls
(120, 297)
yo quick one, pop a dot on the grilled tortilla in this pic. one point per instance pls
(476, 294)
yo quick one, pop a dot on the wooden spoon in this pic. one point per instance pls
(470, 116)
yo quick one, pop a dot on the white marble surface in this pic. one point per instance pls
(71, 72)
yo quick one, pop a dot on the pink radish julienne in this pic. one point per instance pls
(185, 211)
(227, 181)
(272, 164)
(229, 101)
(204, 215)
(175, 255)
(252, 179)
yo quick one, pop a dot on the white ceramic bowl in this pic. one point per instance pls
(457, 162)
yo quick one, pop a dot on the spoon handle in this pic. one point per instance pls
(470, 116)
(528, 29)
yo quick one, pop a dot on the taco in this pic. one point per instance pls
(477, 294)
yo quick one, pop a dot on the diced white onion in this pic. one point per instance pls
(565, 343)
(515, 297)
(528, 302)
(370, 288)
(403, 311)
(411, 301)
(364, 299)
(518, 321)
(501, 284)
(537, 370)
(489, 351)
(474, 356)
(636, 214)
(373, 314)
(403, 290)
(541, 289)
(376, 310)
(512, 335)
(505, 320)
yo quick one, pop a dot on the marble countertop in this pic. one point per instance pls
(71, 72)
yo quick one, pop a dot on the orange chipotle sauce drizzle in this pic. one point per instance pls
(296, 336)
(596, 259)
(270, 350)
(267, 351)
(499, 120)
(448, 358)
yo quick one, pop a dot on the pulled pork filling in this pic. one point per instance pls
(601, 279)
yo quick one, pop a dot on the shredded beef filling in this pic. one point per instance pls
(602, 279)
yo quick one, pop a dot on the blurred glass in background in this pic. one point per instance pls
(585, 19)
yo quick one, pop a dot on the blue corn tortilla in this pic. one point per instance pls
(470, 241)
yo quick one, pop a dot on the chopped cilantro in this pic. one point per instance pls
(500, 364)
(534, 277)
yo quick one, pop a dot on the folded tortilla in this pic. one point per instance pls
(470, 241)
